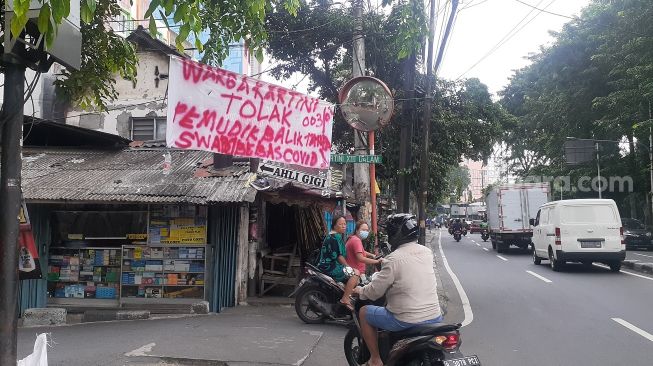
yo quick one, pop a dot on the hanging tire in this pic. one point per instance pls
(355, 351)
(303, 308)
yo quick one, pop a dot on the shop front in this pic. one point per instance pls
(154, 254)
(114, 231)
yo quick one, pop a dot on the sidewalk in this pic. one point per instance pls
(243, 336)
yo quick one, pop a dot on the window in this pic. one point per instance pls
(148, 128)
(544, 218)
(122, 23)
(587, 214)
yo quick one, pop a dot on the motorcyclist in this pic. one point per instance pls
(407, 279)
(457, 225)
(483, 224)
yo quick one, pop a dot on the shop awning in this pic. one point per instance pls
(129, 175)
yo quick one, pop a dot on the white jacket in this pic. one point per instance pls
(407, 278)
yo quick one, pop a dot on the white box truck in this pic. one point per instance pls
(509, 210)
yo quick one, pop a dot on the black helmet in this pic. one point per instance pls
(401, 228)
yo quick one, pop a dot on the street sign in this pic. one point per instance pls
(320, 181)
(579, 151)
(346, 158)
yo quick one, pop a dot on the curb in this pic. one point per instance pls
(635, 265)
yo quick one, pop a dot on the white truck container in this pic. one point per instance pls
(509, 210)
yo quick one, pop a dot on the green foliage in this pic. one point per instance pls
(105, 55)
(595, 80)
(464, 123)
(459, 179)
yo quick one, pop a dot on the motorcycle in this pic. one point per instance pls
(485, 234)
(424, 345)
(317, 297)
(457, 235)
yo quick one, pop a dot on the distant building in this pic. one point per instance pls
(480, 177)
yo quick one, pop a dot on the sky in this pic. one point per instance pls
(484, 23)
(479, 27)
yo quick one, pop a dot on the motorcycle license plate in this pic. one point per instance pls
(463, 361)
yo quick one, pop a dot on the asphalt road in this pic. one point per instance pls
(581, 316)
(642, 256)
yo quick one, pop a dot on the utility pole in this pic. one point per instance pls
(650, 156)
(406, 134)
(12, 129)
(431, 73)
(598, 168)
(426, 123)
(361, 171)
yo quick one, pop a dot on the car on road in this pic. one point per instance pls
(475, 227)
(579, 230)
(636, 235)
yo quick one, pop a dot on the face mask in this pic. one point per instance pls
(363, 234)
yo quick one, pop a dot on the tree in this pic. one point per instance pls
(459, 180)
(105, 54)
(595, 80)
(317, 43)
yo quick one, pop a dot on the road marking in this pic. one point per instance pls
(625, 272)
(478, 244)
(142, 351)
(467, 307)
(643, 255)
(540, 277)
(639, 331)
(486, 249)
(502, 258)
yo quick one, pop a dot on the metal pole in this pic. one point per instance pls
(426, 122)
(598, 168)
(650, 168)
(361, 171)
(373, 191)
(12, 117)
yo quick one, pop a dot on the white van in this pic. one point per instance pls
(582, 230)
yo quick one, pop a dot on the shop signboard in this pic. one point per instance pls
(216, 110)
(319, 180)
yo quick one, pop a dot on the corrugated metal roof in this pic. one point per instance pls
(128, 176)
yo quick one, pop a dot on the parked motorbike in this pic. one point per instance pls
(485, 234)
(317, 297)
(457, 234)
(424, 345)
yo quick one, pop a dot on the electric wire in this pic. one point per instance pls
(511, 33)
(545, 11)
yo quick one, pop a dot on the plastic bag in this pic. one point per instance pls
(40, 355)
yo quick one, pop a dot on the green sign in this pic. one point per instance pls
(346, 158)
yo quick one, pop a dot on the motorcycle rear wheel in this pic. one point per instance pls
(303, 308)
(355, 351)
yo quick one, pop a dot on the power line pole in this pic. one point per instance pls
(426, 122)
(361, 171)
(431, 73)
(12, 128)
(403, 186)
